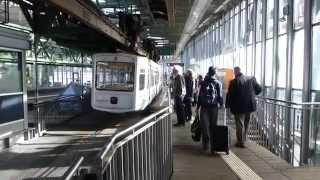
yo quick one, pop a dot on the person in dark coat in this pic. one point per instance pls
(187, 100)
(177, 93)
(241, 99)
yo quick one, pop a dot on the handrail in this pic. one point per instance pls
(73, 168)
(289, 102)
(108, 146)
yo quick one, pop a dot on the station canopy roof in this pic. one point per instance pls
(170, 23)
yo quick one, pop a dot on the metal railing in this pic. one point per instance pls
(287, 129)
(73, 170)
(140, 152)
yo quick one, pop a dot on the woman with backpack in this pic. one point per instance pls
(209, 100)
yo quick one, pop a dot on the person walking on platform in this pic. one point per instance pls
(187, 100)
(241, 101)
(177, 93)
(198, 83)
(209, 100)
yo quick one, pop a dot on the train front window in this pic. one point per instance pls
(115, 76)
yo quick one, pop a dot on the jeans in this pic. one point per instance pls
(208, 119)
(179, 108)
(242, 124)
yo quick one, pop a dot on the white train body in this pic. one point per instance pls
(124, 82)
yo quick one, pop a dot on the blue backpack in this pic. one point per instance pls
(210, 93)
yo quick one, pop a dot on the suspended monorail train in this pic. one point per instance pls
(124, 82)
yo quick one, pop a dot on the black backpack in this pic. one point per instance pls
(210, 93)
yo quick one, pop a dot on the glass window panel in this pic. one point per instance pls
(283, 16)
(243, 60)
(296, 96)
(269, 62)
(316, 11)
(282, 61)
(115, 76)
(297, 61)
(298, 13)
(227, 32)
(259, 21)
(258, 63)
(270, 17)
(10, 72)
(236, 9)
(243, 27)
(236, 29)
(281, 94)
(249, 61)
(316, 58)
(251, 19)
(11, 108)
(243, 4)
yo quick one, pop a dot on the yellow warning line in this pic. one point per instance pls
(240, 168)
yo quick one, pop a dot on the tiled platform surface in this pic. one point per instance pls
(191, 163)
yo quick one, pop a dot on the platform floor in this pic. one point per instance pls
(253, 162)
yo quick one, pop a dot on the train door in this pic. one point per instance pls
(142, 98)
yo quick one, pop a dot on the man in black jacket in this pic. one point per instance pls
(177, 93)
(187, 100)
(241, 100)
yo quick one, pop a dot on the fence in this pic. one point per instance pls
(57, 110)
(287, 129)
(140, 152)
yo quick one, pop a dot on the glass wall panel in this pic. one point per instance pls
(270, 17)
(243, 63)
(296, 96)
(251, 19)
(269, 62)
(281, 94)
(316, 58)
(283, 16)
(249, 61)
(282, 53)
(298, 13)
(258, 64)
(10, 72)
(316, 11)
(243, 27)
(297, 61)
(236, 29)
(259, 21)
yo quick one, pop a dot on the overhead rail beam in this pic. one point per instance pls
(171, 12)
(91, 18)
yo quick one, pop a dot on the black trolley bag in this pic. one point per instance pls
(221, 136)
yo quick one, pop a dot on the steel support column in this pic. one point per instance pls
(263, 44)
(306, 94)
(254, 37)
(290, 38)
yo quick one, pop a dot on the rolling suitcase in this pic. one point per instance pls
(221, 137)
